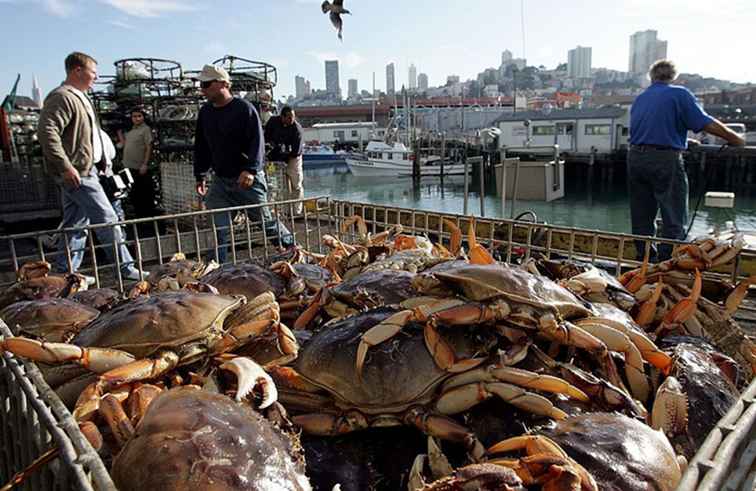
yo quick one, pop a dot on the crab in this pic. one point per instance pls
(586, 280)
(364, 291)
(401, 383)
(493, 293)
(193, 439)
(606, 451)
(246, 279)
(181, 269)
(35, 282)
(303, 281)
(150, 336)
(691, 401)
(475, 477)
(50, 319)
(102, 299)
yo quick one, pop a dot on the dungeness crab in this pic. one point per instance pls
(193, 439)
(35, 282)
(401, 383)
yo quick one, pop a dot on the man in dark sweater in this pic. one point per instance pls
(284, 133)
(229, 141)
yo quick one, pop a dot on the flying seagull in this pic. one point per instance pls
(336, 9)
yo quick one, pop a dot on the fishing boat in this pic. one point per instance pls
(381, 159)
(321, 156)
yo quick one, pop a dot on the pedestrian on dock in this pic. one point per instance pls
(73, 150)
(660, 119)
(137, 152)
(229, 140)
(284, 134)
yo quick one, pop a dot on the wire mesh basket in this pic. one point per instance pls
(33, 420)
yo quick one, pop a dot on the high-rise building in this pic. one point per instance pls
(506, 57)
(333, 88)
(352, 83)
(645, 49)
(579, 62)
(390, 79)
(412, 77)
(36, 92)
(307, 88)
(452, 79)
(422, 81)
(299, 86)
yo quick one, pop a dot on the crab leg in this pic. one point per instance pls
(649, 351)
(139, 400)
(686, 308)
(445, 428)
(464, 397)
(541, 448)
(634, 283)
(733, 299)
(112, 412)
(648, 308)
(455, 239)
(98, 360)
(478, 253)
(138, 370)
(249, 376)
(618, 341)
(520, 377)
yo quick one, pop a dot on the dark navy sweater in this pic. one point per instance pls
(228, 139)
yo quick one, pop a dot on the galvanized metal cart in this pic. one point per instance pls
(33, 420)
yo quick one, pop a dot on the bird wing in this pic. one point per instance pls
(338, 3)
(325, 6)
(336, 20)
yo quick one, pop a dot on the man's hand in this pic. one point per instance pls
(143, 170)
(246, 179)
(201, 187)
(71, 178)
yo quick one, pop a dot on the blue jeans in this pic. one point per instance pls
(83, 206)
(658, 182)
(225, 193)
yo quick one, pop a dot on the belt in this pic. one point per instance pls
(644, 147)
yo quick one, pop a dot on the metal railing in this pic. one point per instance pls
(246, 239)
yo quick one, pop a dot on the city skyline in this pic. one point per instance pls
(373, 36)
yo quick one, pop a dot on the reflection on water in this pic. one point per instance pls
(604, 207)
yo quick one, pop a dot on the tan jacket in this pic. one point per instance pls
(65, 132)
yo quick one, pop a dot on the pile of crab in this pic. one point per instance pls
(550, 374)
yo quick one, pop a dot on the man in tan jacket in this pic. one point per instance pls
(71, 145)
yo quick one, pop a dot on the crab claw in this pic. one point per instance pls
(733, 299)
(455, 239)
(249, 376)
(478, 253)
(635, 282)
(648, 308)
(361, 226)
(686, 308)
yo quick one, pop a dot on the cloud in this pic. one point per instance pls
(351, 59)
(151, 8)
(59, 8)
(121, 24)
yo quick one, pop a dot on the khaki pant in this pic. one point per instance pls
(296, 181)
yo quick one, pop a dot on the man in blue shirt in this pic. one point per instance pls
(229, 140)
(659, 122)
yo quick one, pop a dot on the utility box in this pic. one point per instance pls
(718, 199)
(536, 181)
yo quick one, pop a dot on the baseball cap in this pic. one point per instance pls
(210, 73)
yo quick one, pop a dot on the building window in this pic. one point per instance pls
(598, 129)
(543, 130)
(355, 133)
(389, 156)
(404, 156)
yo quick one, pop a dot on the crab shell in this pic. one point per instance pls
(621, 453)
(183, 321)
(194, 439)
(372, 289)
(487, 282)
(36, 288)
(400, 374)
(182, 269)
(102, 299)
(49, 319)
(246, 279)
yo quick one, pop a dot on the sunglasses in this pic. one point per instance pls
(206, 85)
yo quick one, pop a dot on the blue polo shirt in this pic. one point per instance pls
(663, 114)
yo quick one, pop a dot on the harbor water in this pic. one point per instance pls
(599, 205)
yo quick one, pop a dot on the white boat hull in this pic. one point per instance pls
(362, 167)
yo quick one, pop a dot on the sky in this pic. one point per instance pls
(440, 37)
